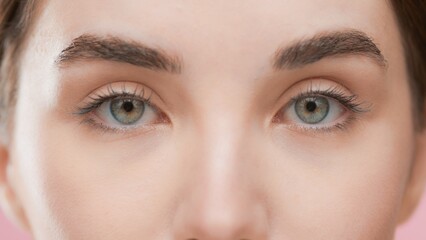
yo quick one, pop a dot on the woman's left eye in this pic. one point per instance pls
(314, 110)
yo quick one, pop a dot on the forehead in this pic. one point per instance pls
(220, 15)
(195, 28)
(227, 40)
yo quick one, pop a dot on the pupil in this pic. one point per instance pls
(311, 106)
(128, 106)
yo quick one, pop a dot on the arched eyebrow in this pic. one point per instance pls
(298, 54)
(324, 45)
(92, 47)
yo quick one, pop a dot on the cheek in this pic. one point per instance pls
(345, 184)
(79, 187)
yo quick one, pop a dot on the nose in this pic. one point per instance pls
(221, 200)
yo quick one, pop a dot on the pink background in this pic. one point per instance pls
(415, 229)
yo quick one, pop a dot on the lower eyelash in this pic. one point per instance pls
(103, 127)
(109, 130)
(338, 127)
(341, 126)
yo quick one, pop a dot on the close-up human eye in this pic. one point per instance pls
(121, 108)
(327, 109)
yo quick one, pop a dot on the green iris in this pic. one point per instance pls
(127, 111)
(312, 110)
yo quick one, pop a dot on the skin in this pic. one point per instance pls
(220, 166)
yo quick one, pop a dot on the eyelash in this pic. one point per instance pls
(349, 102)
(98, 99)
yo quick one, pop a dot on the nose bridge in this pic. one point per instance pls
(220, 202)
(223, 161)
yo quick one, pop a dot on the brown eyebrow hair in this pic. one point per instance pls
(331, 44)
(88, 47)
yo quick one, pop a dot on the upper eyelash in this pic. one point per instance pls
(349, 101)
(98, 99)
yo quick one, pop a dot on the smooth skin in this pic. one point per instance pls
(219, 166)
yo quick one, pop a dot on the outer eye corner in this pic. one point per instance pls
(162, 117)
(279, 116)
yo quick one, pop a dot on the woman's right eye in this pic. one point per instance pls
(121, 107)
(126, 112)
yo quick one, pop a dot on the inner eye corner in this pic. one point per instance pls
(164, 118)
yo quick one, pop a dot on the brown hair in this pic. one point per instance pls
(411, 16)
(15, 18)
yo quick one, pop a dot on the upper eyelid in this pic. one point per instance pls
(123, 91)
(112, 91)
(122, 86)
(348, 99)
(101, 100)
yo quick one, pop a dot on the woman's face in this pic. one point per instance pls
(221, 120)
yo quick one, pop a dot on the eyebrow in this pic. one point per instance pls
(324, 45)
(92, 47)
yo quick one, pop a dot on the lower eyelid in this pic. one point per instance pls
(128, 132)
